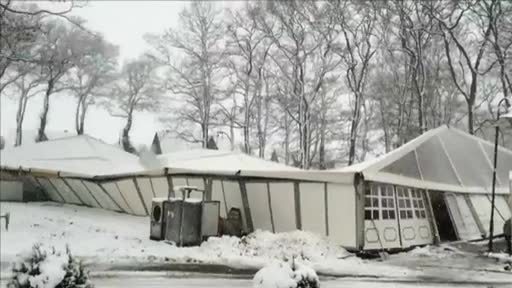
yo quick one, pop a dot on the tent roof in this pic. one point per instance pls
(443, 159)
(204, 161)
(216, 160)
(75, 155)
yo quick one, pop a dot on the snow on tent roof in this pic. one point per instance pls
(204, 161)
(443, 159)
(217, 160)
(80, 155)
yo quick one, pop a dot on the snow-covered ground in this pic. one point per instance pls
(104, 237)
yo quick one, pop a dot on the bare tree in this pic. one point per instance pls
(135, 90)
(28, 85)
(464, 62)
(248, 49)
(61, 46)
(195, 79)
(90, 76)
(360, 48)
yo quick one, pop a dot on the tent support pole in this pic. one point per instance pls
(359, 185)
(433, 224)
(151, 184)
(90, 192)
(245, 203)
(110, 196)
(326, 208)
(170, 184)
(41, 187)
(270, 208)
(124, 199)
(74, 192)
(475, 214)
(140, 194)
(56, 190)
(298, 218)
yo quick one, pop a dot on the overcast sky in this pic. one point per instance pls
(123, 23)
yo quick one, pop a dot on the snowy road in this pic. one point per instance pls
(155, 282)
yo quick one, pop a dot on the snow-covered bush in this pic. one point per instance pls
(286, 275)
(46, 267)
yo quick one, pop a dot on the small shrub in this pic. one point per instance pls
(47, 268)
(286, 275)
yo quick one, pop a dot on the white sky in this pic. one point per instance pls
(123, 23)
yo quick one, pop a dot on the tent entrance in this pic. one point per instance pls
(442, 217)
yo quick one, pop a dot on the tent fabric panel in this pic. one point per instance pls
(405, 166)
(502, 206)
(341, 214)
(160, 186)
(434, 164)
(145, 190)
(234, 198)
(284, 218)
(85, 195)
(463, 219)
(482, 204)
(469, 160)
(111, 189)
(257, 194)
(101, 196)
(504, 163)
(129, 192)
(218, 195)
(50, 190)
(312, 207)
(64, 190)
(197, 182)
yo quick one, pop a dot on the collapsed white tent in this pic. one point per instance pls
(380, 204)
(445, 170)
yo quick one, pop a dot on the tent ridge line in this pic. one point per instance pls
(450, 160)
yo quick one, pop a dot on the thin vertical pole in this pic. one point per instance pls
(491, 224)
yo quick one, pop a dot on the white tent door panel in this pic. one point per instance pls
(312, 207)
(50, 190)
(462, 218)
(257, 195)
(234, 198)
(282, 200)
(412, 212)
(381, 229)
(101, 196)
(499, 217)
(160, 186)
(64, 190)
(482, 205)
(199, 183)
(112, 190)
(129, 192)
(79, 188)
(341, 212)
(502, 206)
(146, 191)
(218, 195)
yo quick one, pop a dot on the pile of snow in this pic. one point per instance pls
(502, 257)
(277, 246)
(286, 275)
(442, 251)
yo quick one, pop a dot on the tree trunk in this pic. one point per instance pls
(125, 140)
(41, 134)
(353, 130)
(20, 114)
